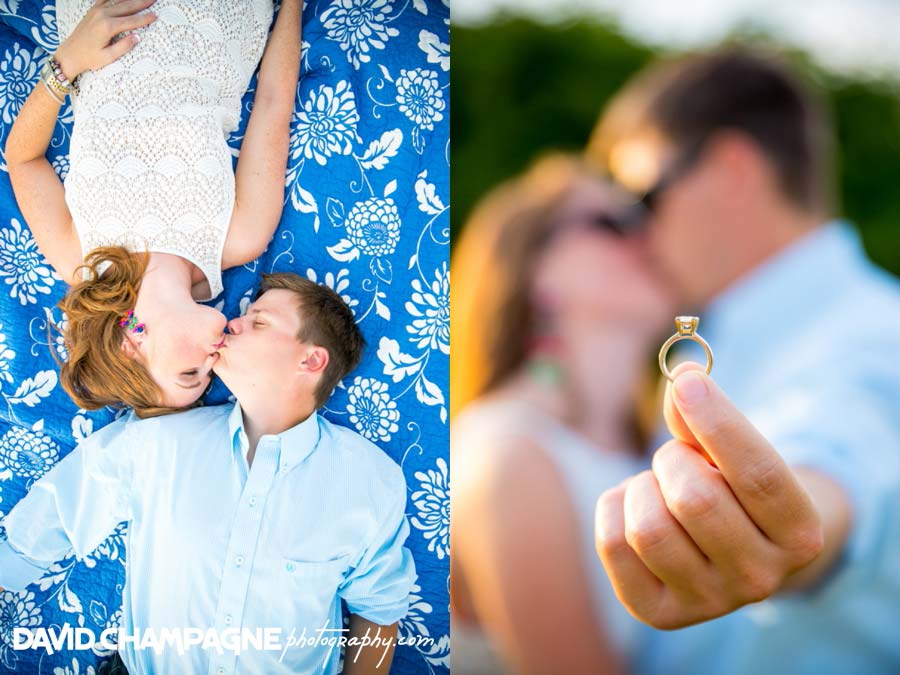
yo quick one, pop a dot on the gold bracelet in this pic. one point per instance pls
(52, 93)
(48, 75)
(61, 76)
(49, 79)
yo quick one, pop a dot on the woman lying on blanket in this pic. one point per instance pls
(151, 210)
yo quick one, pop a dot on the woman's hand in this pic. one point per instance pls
(89, 47)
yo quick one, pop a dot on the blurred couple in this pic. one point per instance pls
(753, 526)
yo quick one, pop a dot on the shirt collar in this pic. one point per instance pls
(295, 444)
(779, 293)
(774, 301)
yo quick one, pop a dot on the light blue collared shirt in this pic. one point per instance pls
(212, 543)
(808, 347)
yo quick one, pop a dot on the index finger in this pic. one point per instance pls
(760, 479)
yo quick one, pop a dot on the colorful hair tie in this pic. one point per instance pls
(130, 321)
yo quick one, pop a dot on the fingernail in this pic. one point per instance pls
(690, 387)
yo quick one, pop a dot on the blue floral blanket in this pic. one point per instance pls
(366, 212)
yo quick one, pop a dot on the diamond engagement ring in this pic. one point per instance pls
(686, 329)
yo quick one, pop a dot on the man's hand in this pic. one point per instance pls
(719, 522)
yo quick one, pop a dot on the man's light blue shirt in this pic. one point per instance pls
(318, 516)
(808, 347)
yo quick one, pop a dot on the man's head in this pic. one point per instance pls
(296, 338)
(736, 153)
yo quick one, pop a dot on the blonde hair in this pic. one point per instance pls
(98, 372)
(491, 271)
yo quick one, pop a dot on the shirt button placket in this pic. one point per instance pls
(241, 550)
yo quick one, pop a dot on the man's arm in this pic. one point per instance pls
(375, 650)
(377, 587)
(836, 515)
(261, 167)
(72, 508)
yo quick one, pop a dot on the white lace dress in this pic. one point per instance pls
(587, 471)
(149, 166)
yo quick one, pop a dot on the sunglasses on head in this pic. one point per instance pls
(631, 218)
(635, 216)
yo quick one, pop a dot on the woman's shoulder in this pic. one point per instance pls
(499, 436)
(505, 435)
(507, 418)
(497, 414)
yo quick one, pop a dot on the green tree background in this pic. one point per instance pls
(520, 88)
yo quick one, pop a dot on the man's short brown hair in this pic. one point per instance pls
(753, 92)
(325, 320)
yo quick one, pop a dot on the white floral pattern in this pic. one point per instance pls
(414, 623)
(371, 409)
(420, 97)
(431, 307)
(59, 343)
(373, 226)
(74, 669)
(339, 283)
(435, 50)
(359, 26)
(61, 166)
(432, 502)
(6, 355)
(20, 67)
(17, 610)
(22, 267)
(27, 454)
(326, 124)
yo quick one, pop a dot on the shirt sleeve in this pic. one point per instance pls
(72, 508)
(378, 587)
(849, 430)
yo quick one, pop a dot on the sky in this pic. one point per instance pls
(855, 37)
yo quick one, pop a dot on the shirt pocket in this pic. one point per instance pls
(316, 569)
(314, 583)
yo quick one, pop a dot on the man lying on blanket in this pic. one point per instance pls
(246, 519)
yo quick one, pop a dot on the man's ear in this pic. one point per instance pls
(314, 361)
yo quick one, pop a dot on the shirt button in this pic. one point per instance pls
(239, 560)
(289, 567)
(220, 671)
(228, 620)
(252, 501)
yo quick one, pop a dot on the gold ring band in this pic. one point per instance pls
(686, 329)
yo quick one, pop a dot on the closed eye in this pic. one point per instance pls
(190, 375)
